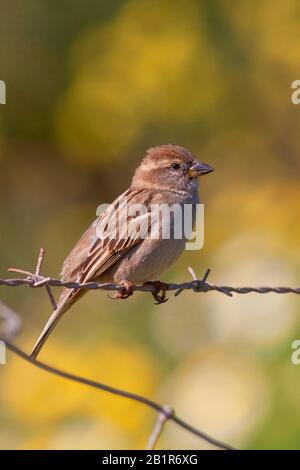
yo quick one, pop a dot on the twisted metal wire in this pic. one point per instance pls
(195, 285)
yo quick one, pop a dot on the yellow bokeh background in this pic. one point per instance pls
(90, 86)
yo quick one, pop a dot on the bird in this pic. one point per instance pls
(167, 175)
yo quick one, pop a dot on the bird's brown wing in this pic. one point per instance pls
(95, 254)
(92, 256)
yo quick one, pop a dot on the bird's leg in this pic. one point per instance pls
(160, 291)
(126, 290)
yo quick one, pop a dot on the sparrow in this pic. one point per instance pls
(168, 174)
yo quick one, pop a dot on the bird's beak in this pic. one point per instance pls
(199, 169)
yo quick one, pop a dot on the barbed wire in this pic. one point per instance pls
(165, 412)
(196, 285)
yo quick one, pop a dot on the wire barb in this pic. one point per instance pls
(37, 279)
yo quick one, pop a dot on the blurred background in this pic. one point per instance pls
(90, 86)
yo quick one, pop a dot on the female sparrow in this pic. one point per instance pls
(167, 175)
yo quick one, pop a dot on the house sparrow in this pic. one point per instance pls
(167, 175)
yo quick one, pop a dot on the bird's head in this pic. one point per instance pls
(169, 167)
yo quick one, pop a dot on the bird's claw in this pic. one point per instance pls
(125, 291)
(160, 291)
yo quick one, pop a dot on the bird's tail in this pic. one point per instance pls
(66, 301)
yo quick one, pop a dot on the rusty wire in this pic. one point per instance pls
(197, 285)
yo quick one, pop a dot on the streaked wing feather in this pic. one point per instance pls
(100, 258)
(92, 256)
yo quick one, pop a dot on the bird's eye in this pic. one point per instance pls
(175, 166)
